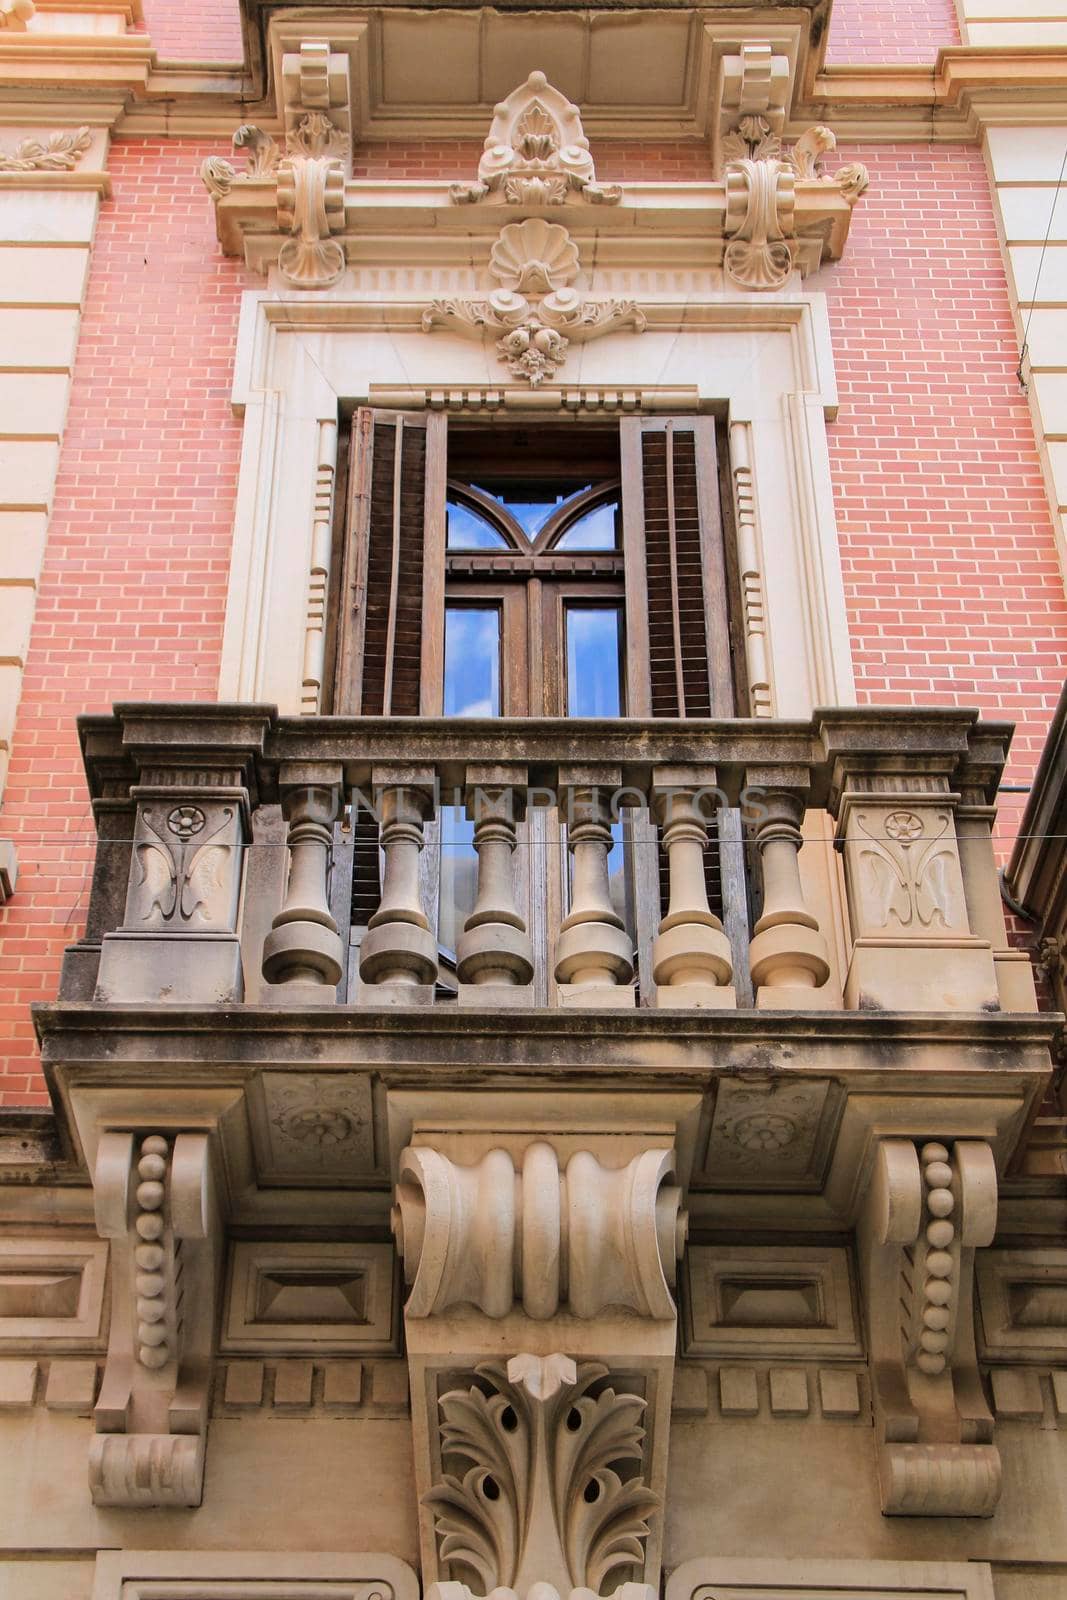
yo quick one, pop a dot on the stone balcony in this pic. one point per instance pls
(854, 854)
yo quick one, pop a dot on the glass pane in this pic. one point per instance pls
(597, 530)
(472, 661)
(531, 504)
(593, 661)
(469, 530)
(459, 875)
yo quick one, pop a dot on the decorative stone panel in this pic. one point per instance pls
(716, 1578)
(52, 1291)
(289, 1295)
(222, 1575)
(755, 1300)
(1022, 1304)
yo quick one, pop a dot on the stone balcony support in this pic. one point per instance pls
(398, 958)
(788, 954)
(303, 949)
(692, 964)
(495, 956)
(594, 955)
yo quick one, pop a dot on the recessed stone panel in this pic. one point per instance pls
(295, 1296)
(768, 1301)
(316, 1130)
(51, 1290)
(1022, 1304)
(769, 1135)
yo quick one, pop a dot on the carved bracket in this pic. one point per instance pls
(588, 1236)
(763, 245)
(309, 196)
(535, 309)
(541, 1481)
(927, 1210)
(756, 82)
(536, 153)
(316, 102)
(156, 1202)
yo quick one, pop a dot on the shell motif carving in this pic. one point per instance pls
(542, 1486)
(534, 257)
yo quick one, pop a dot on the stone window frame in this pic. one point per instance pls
(763, 363)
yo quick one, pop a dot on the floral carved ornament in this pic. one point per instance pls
(535, 309)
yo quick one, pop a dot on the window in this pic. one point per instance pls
(540, 570)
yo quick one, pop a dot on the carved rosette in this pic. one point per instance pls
(536, 153)
(535, 309)
(541, 1481)
(760, 227)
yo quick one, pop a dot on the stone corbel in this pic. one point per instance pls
(540, 1330)
(756, 82)
(315, 102)
(584, 1235)
(928, 1208)
(309, 198)
(761, 232)
(536, 153)
(156, 1201)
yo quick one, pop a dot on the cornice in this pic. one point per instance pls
(118, 81)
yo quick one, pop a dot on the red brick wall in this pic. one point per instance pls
(890, 30)
(194, 30)
(953, 586)
(134, 583)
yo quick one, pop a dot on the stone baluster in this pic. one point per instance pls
(303, 949)
(594, 955)
(398, 957)
(495, 956)
(788, 954)
(692, 965)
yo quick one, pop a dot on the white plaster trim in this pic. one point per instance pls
(303, 362)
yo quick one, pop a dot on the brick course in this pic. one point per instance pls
(953, 586)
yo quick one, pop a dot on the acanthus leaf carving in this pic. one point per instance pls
(536, 312)
(60, 152)
(155, 1200)
(546, 1490)
(536, 153)
(928, 1208)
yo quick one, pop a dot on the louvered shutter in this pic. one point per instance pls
(392, 595)
(393, 581)
(677, 610)
(677, 614)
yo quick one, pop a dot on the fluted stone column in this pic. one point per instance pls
(788, 956)
(692, 965)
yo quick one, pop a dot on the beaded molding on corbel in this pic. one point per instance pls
(536, 153)
(535, 308)
(927, 1210)
(155, 1201)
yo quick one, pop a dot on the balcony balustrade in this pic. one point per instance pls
(860, 875)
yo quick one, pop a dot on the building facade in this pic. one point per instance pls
(531, 601)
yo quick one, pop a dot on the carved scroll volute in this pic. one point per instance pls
(311, 207)
(760, 201)
(927, 1210)
(155, 1200)
(589, 1237)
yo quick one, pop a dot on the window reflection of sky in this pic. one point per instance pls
(472, 661)
(593, 662)
(597, 529)
(469, 530)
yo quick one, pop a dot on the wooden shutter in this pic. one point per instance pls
(390, 651)
(677, 615)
